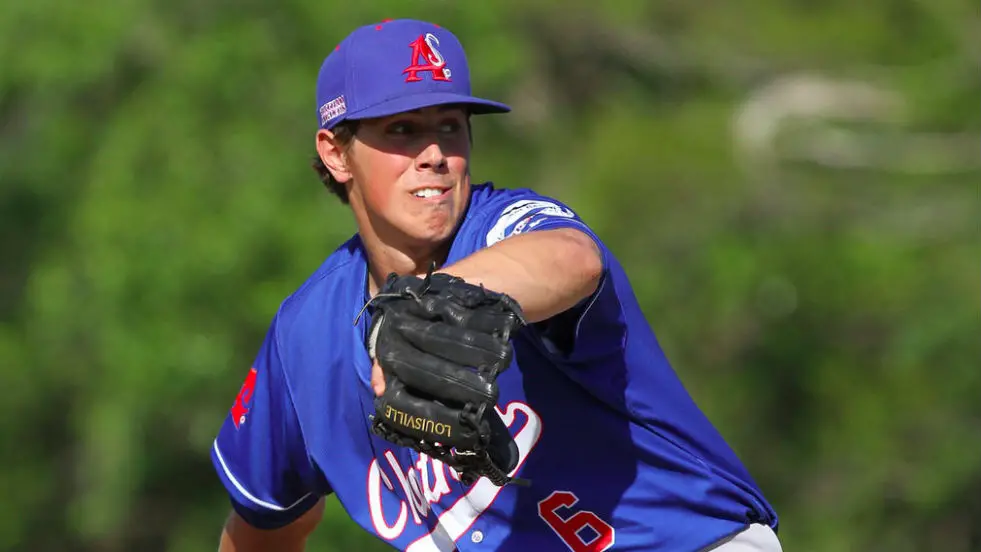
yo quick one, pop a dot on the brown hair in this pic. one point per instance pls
(343, 135)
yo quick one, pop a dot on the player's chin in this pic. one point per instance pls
(435, 228)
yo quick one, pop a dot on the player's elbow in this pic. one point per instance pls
(592, 262)
(584, 259)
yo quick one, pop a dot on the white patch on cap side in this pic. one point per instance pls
(332, 109)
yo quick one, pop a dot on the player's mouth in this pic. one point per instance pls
(434, 193)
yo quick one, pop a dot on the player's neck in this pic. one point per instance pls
(383, 259)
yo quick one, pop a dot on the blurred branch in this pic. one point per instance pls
(788, 119)
(911, 153)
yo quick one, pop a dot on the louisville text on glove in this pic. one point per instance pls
(417, 423)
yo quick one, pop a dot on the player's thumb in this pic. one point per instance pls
(377, 379)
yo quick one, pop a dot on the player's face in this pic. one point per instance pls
(411, 174)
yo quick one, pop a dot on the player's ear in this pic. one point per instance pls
(334, 155)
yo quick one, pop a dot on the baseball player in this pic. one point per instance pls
(471, 370)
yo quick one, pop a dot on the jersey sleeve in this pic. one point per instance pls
(594, 327)
(260, 454)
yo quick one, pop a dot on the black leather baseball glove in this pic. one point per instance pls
(441, 344)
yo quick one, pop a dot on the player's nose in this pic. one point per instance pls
(432, 158)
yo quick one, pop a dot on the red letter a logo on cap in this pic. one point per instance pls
(424, 47)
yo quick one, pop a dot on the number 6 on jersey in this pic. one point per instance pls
(568, 529)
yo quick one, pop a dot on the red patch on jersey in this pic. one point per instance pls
(244, 399)
(425, 57)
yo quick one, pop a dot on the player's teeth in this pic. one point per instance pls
(428, 192)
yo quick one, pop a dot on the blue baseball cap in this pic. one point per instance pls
(392, 67)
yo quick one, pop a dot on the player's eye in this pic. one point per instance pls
(402, 128)
(450, 126)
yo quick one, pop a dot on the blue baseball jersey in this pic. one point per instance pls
(618, 454)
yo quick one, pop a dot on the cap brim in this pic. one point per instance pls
(402, 104)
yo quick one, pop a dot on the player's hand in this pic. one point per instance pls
(377, 379)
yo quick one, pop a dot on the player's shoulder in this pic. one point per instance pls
(496, 212)
(488, 199)
(489, 203)
(327, 290)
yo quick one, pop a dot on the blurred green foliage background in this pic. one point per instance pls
(793, 187)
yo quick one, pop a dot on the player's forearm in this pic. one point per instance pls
(235, 540)
(239, 536)
(546, 272)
